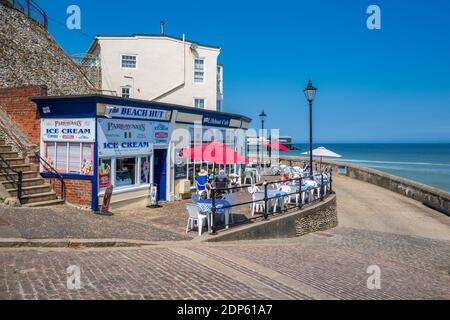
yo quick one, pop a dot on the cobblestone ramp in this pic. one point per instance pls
(319, 266)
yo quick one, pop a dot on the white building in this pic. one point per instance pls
(160, 68)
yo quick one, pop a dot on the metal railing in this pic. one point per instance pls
(215, 192)
(29, 8)
(49, 168)
(9, 173)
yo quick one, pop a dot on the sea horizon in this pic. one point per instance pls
(427, 163)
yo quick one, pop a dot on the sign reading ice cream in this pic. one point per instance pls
(72, 130)
(124, 137)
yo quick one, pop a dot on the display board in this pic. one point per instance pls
(119, 137)
(68, 130)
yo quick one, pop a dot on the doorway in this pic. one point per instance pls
(160, 172)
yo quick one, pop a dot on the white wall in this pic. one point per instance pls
(160, 68)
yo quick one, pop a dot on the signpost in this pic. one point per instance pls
(154, 196)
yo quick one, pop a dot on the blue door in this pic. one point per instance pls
(160, 172)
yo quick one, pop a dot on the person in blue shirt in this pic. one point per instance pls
(202, 184)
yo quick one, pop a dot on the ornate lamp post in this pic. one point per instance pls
(263, 117)
(310, 93)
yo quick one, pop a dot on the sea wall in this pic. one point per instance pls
(429, 196)
(318, 217)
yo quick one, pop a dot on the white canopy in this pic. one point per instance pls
(323, 152)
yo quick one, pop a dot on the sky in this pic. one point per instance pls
(387, 85)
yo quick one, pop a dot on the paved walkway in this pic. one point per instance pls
(408, 242)
(366, 206)
(330, 265)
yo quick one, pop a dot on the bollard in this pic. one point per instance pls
(213, 211)
(266, 208)
(300, 202)
(321, 188)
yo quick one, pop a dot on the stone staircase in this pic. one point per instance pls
(35, 191)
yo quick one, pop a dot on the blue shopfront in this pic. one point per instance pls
(98, 140)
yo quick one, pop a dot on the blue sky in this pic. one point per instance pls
(388, 85)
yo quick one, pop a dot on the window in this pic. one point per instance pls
(199, 70)
(145, 170)
(70, 157)
(129, 62)
(126, 92)
(125, 172)
(199, 103)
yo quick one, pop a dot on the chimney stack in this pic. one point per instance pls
(162, 27)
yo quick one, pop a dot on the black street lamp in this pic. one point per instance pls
(263, 117)
(310, 93)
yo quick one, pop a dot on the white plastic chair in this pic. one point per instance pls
(248, 175)
(313, 187)
(195, 217)
(252, 189)
(291, 197)
(258, 202)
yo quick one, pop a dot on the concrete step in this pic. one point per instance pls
(9, 154)
(13, 161)
(23, 167)
(5, 148)
(39, 197)
(44, 203)
(44, 188)
(25, 182)
(26, 175)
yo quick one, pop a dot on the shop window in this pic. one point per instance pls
(104, 173)
(74, 158)
(125, 172)
(86, 158)
(61, 157)
(50, 155)
(69, 157)
(145, 170)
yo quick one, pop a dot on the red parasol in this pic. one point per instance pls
(278, 146)
(214, 152)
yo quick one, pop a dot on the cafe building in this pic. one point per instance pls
(94, 141)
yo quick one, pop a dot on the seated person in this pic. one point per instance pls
(285, 177)
(222, 180)
(202, 184)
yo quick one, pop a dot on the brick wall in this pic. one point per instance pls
(21, 110)
(78, 192)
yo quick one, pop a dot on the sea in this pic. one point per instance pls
(428, 163)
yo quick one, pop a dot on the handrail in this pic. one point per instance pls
(47, 166)
(266, 199)
(26, 7)
(7, 171)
